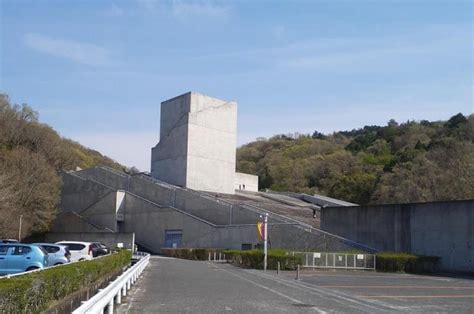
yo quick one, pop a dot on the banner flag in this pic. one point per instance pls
(260, 230)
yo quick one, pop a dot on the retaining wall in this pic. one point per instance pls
(444, 229)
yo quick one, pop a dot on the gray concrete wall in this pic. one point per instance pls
(150, 222)
(149, 215)
(157, 193)
(197, 143)
(247, 182)
(442, 229)
(109, 239)
(212, 141)
(169, 156)
(103, 212)
(78, 194)
(113, 179)
(72, 222)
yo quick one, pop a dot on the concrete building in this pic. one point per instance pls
(196, 155)
(198, 138)
(104, 201)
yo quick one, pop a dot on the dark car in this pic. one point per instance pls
(99, 249)
(8, 241)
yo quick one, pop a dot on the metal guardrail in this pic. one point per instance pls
(338, 260)
(106, 298)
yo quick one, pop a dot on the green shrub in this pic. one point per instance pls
(199, 254)
(254, 259)
(35, 292)
(404, 262)
(249, 259)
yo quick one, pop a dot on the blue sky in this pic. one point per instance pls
(97, 70)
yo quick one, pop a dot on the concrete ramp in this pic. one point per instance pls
(152, 208)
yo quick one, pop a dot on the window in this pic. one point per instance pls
(50, 248)
(21, 250)
(74, 246)
(3, 249)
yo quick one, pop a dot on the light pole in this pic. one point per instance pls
(265, 240)
(19, 229)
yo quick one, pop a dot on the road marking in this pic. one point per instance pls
(274, 291)
(228, 308)
(162, 257)
(416, 296)
(399, 287)
(330, 295)
(400, 276)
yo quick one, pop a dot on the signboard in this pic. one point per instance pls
(316, 255)
(360, 256)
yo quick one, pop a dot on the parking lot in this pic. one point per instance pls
(181, 286)
(404, 292)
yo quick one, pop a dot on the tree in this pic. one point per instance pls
(456, 120)
(32, 155)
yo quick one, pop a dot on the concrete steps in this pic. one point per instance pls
(225, 210)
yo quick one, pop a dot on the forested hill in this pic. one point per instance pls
(397, 163)
(32, 155)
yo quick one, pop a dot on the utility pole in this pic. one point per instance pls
(265, 242)
(19, 229)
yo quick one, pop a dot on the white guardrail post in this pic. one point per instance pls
(105, 299)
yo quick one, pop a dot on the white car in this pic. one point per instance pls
(80, 251)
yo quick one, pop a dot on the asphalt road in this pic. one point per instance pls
(181, 286)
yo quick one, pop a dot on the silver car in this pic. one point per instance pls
(58, 254)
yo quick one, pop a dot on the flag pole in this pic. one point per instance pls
(265, 242)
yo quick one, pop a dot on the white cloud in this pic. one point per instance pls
(80, 52)
(114, 11)
(181, 10)
(279, 32)
(148, 5)
(203, 8)
(375, 53)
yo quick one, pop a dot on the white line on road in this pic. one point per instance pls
(334, 296)
(274, 291)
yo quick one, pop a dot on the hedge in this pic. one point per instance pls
(404, 262)
(37, 291)
(254, 259)
(190, 253)
(249, 258)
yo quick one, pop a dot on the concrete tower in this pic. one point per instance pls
(197, 143)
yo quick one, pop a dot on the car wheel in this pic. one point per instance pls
(31, 268)
(82, 259)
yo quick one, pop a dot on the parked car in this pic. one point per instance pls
(80, 251)
(58, 254)
(99, 249)
(17, 258)
(8, 241)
